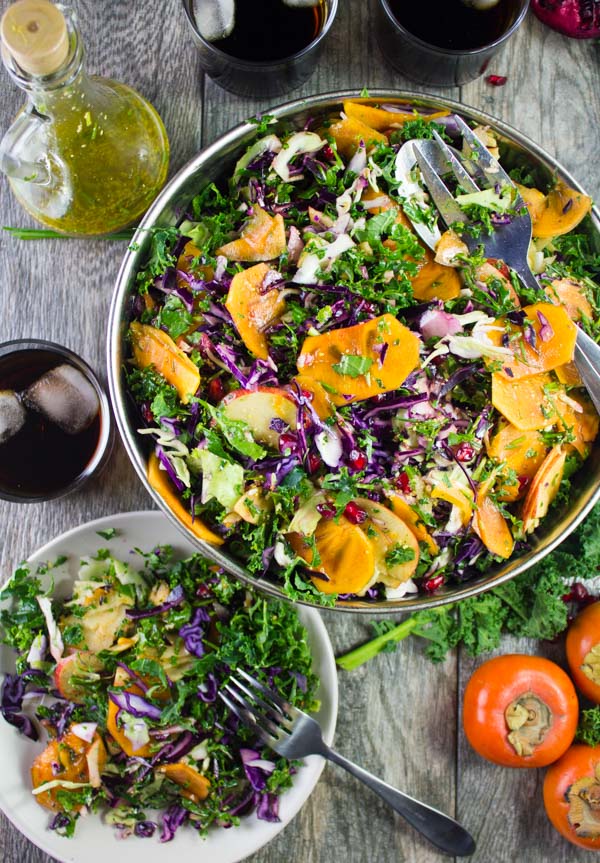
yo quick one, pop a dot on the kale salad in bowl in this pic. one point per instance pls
(332, 411)
(115, 641)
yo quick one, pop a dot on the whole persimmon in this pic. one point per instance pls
(520, 711)
(572, 795)
(583, 651)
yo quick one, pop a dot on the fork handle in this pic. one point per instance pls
(444, 832)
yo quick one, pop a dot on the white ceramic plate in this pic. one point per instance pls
(95, 842)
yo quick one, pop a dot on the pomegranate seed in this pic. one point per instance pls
(580, 592)
(523, 482)
(307, 395)
(496, 80)
(357, 460)
(327, 511)
(433, 583)
(465, 451)
(328, 152)
(354, 513)
(216, 390)
(402, 481)
(146, 412)
(313, 462)
(288, 443)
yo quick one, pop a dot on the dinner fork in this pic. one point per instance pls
(509, 241)
(294, 734)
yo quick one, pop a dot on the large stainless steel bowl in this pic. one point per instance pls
(213, 163)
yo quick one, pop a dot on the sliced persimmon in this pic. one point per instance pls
(387, 531)
(64, 759)
(571, 295)
(527, 403)
(460, 496)
(194, 786)
(578, 414)
(435, 281)
(534, 200)
(380, 119)
(185, 264)
(153, 347)
(123, 681)
(343, 554)
(563, 210)
(253, 311)
(543, 489)
(520, 451)
(413, 520)
(362, 361)
(552, 343)
(159, 481)
(350, 133)
(262, 238)
(490, 525)
(569, 375)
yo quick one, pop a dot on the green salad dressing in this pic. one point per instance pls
(87, 155)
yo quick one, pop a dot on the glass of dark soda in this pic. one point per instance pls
(445, 43)
(261, 48)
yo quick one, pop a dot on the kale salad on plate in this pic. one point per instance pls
(122, 679)
(344, 411)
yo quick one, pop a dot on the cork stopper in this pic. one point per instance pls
(34, 33)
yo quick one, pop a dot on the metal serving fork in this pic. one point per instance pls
(510, 241)
(295, 734)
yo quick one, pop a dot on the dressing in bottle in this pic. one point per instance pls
(86, 155)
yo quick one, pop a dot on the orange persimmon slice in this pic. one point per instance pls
(345, 555)
(262, 238)
(520, 451)
(380, 119)
(159, 481)
(123, 681)
(69, 753)
(525, 402)
(490, 525)
(413, 521)
(571, 295)
(563, 210)
(543, 489)
(253, 312)
(569, 375)
(349, 133)
(194, 785)
(189, 254)
(534, 200)
(153, 347)
(555, 347)
(580, 416)
(362, 361)
(435, 281)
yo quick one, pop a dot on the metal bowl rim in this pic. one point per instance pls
(130, 263)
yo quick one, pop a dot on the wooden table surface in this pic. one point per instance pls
(399, 716)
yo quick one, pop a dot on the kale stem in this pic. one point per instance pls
(354, 658)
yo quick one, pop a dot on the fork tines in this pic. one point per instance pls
(256, 705)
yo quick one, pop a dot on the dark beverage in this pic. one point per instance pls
(453, 24)
(40, 460)
(267, 30)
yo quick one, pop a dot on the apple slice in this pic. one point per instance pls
(75, 672)
(390, 538)
(258, 408)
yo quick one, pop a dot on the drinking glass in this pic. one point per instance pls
(265, 77)
(431, 64)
